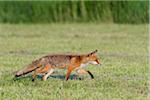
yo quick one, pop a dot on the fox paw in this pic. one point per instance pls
(33, 80)
(77, 78)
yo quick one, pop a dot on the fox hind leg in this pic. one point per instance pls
(49, 73)
(35, 74)
(41, 70)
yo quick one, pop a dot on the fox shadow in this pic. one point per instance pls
(39, 77)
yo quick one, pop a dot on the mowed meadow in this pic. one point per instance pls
(122, 49)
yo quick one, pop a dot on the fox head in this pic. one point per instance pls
(92, 58)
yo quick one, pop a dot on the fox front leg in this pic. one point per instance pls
(82, 71)
(68, 74)
(70, 69)
(90, 74)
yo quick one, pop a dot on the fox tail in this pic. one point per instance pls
(25, 70)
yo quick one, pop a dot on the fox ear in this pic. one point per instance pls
(93, 52)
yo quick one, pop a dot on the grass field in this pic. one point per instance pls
(123, 50)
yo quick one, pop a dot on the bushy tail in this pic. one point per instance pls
(26, 70)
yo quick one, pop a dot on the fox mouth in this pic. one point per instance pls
(98, 63)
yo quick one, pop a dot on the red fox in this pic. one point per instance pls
(46, 65)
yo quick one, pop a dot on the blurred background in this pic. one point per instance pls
(133, 12)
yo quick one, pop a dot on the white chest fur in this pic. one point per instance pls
(84, 65)
(90, 62)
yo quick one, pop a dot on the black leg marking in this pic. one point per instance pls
(33, 79)
(91, 74)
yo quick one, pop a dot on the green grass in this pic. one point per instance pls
(123, 51)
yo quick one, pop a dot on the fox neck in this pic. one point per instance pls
(87, 63)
